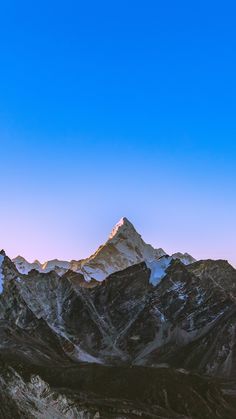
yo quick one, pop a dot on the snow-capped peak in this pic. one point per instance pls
(123, 224)
(124, 247)
(185, 258)
(158, 268)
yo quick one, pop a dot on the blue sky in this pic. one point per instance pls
(111, 109)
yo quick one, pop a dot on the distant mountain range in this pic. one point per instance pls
(124, 247)
(128, 332)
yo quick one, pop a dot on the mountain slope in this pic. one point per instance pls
(93, 392)
(124, 247)
(129, 317)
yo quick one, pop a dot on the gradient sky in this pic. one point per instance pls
(111, 109)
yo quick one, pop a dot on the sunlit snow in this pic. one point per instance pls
(158, 269)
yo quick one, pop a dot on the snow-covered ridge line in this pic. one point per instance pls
(124, 247)
(117, 227)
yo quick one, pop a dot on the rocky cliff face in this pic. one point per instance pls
(156, 339)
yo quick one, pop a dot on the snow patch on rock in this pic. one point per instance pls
(158, 269)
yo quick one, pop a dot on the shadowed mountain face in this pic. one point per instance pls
(92, 391)
(156, 339)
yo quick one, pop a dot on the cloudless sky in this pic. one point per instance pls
(111, 109)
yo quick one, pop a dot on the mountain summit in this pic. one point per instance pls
(124, 247)
(124, 225)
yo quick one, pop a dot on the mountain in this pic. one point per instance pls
(124, 347)
(185, 258)
(154, 339)
(169, 313)
(25, 267)
(124, 247)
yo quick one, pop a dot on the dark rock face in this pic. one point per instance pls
(91, 391)
(55, 329)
